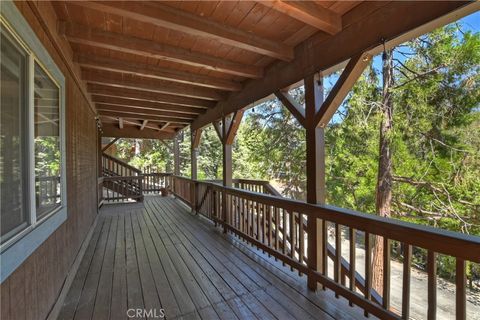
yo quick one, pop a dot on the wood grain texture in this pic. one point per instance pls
(39, 279)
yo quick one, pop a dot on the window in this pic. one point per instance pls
(32, 158)
(13, 140)
(32, 142)
(47, 142)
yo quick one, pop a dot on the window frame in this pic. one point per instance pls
(15, 250)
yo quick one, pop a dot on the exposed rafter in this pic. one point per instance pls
(151, 71)
(178, 20)
(147, 48)
(134, 82)
(135, 116)
(321, 52)
(142, 112)
(112, 131)
(138, 94)
(310, 13)
(136, 123)
(139, 104)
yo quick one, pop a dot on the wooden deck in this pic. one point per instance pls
(158, 255)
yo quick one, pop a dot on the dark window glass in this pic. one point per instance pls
(47, 142)
(13, 143)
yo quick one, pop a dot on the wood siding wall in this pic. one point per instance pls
(31, 291)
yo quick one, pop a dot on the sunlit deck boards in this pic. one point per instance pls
(158, 255)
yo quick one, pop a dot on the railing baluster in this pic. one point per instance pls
(352, 262)
(270, 227)
(338, 255)
(407, 264)
(460, 293)
(432, 285)
(258, 220)
(284, 233)
(301, 239)
(292, 236)
(386, 273)
(324, 249)
(277, 228)
(368, 268)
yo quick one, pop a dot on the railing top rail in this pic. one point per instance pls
(451, 243)
(123, 178)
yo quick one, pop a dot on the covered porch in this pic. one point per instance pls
(131, 243)
(157, 256)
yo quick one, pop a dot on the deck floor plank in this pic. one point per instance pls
(158, 255)
(134, 288)
(73, 295)
(119, 288)
(89, 292)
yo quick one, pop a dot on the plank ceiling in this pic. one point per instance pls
(156, 66)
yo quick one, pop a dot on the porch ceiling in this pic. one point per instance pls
(153, 68)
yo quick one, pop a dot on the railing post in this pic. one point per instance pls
(140, 188)
(193, 196)
(315, 173)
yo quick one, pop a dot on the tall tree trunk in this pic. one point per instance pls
(384, 177)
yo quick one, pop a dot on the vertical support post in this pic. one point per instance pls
(176, 156)
(315, 137)
(195, 141)
(99, 167)
(99, 153)
(227, 170)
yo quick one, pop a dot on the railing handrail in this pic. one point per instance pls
(139, 177)
(441, 241)
(122, 163)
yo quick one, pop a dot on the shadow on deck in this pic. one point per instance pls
(157, 255)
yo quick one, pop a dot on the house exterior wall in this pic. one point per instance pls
(32, 289)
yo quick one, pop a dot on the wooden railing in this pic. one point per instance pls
(116, 189)
(48, 190)
(279, 227)
(116, 167)
(155, 182)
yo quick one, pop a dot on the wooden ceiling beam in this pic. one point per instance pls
(394, 22)
(151, 71)
(178, 20)
(310, 13)
(139, 123)
(151, 49)
(137, 94)
(112, 131)
(134, 104)
(133, 82)
(123, 109)
(134, 116)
